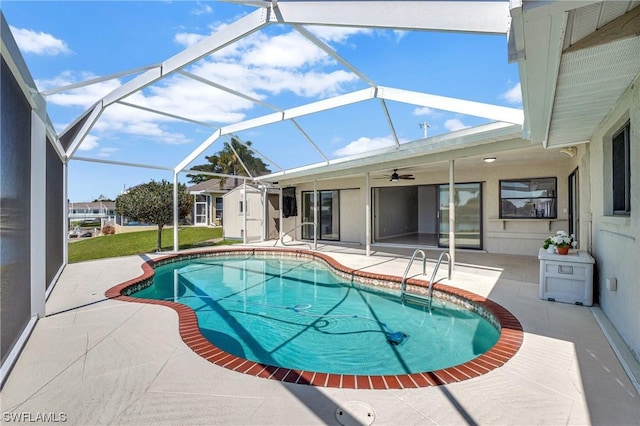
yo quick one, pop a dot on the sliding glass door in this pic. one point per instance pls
(328, 215)
(468, 215)
(419, 215)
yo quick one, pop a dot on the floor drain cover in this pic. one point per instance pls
(355, 413)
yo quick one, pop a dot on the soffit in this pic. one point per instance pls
(576, 64)
(590, 83)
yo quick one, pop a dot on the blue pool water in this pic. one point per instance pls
(298, 314)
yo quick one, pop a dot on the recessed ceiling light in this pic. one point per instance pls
(490, 159)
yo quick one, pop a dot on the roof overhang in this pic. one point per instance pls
(472, 141)
(576, 60)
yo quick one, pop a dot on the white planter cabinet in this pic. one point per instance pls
(566, 278)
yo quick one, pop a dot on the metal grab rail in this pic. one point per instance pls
(435, 271)
(282, 235)
(403, 283)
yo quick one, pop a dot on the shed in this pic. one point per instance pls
(248, 217)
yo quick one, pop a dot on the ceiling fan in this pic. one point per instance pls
(395, 177)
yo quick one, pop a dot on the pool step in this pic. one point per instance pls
(415, 299)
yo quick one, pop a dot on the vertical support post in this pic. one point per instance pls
(66, 213)
(208, 209)
(315, 214)
(195, 209)
(280, 206)
(367, 212)
(452, 214)
(38, 218)
(176, 214)
(244, 211)
(265, 206)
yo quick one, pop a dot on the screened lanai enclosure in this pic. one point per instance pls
(496, 178)
(362, 96)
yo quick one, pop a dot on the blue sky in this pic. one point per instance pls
(69, 42)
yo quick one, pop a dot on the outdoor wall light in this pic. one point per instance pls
(569, 151)
(490, 159)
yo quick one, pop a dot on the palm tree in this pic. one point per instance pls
(226, 162)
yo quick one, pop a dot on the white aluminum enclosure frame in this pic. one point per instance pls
(478, 17)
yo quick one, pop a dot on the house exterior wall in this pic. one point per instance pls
(234, 220)
(520, 236)
(510, 236)
(351, 217)
(616, 239)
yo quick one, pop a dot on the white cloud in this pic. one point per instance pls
(39, 43)
(422, 111)
(513, 95)
(336, 34)
(290, 50)
(90, 142)
(106, 152)
(82, 97)
(399, 34)
(121, 119)
(188, 39)
(258, 66)
(364, 144)
(308, 84)
(454, 124)
(202, 9)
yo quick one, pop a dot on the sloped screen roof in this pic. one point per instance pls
(306, 83)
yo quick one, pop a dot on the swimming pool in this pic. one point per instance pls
(289, 311)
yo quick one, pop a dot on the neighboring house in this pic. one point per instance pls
(208, 200)
(94, 210)
(251, 213)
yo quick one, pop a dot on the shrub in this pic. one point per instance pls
(108, 230)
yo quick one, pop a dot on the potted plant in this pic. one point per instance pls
(549, 246)
(563, 242)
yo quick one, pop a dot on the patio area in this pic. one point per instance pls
(99, 361)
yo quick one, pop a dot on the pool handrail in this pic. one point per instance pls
(435, 271)
(403, 283)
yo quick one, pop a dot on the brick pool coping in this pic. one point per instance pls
(508, 344)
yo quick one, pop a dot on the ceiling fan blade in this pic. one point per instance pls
(406, 177)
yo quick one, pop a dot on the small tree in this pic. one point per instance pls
(153, 203)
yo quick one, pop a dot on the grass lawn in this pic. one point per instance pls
(141, 242)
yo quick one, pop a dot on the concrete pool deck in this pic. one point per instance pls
(99, 361)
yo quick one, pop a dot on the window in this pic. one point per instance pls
(241, 207)
(528, 198)
(219, 207)
(621, 176)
